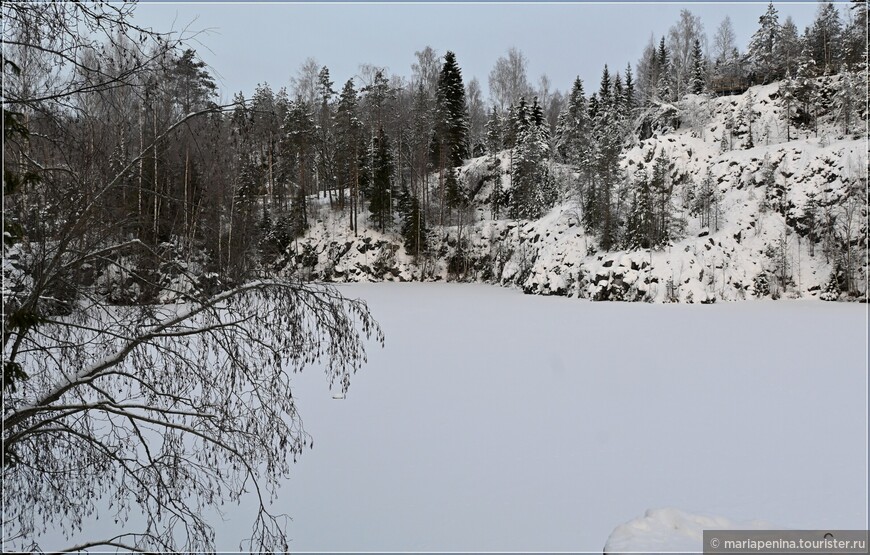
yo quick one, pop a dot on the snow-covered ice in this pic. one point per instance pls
(494, 420)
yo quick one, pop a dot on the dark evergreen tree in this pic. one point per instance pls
(451, 126)
(326, 162)
(532, 188)
(348, 134)
(662, 188)
(664, 86)
(699, 74)
(194, 87)
(298, 153)
(805, 90)
(494, 132)
(573, 131)
(640, 225)
(413, 224)
(451, 122)
(381, 194)
(630, 94)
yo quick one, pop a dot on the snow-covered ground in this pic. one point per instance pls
(540, 423)
(494, 420)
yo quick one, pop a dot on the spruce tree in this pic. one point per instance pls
(698, 70)
(532, 188)
(413, 225)
(663, 86)
(661, 190)
(640, 224)
(381, 193)
(763, 46)
(452, 115)
(824, 38)
(348, 131)
(788, 50)
(573, 130)
(451, 122)
(630, 100)
(805, 90)
(854, 37)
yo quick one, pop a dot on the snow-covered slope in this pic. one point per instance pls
(754, 249)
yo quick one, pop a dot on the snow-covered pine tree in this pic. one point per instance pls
(605, 175)
(745, 119)
(664, 88)
(848, 98)
(573, 130)
(854, 38)
(788, 49)
(325, 153)
(451, 123)
(451, 126)
(763, 45)
(532, 188)
(640, 225)
(630, 99)
(699, 74)
(805, 90)
(824, 38)
(348, 132)
(809, 221)
(662, 187)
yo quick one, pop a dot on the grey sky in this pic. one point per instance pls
(246, 44)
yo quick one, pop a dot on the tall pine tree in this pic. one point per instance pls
(451, 122)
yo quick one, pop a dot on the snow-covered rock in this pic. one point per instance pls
(752, 250)
(671, 530)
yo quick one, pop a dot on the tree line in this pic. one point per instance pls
(241, 181)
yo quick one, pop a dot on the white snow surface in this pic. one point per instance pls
(672, 530)
(496, 421)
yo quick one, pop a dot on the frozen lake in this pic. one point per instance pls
(498, 421)
(494, 420)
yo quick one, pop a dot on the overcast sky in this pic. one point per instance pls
(246, 44)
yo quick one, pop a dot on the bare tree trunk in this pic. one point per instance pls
(354, 192)
(141, 166)
(271, 182)
(186, 181)
(441, 163)
(156, 191)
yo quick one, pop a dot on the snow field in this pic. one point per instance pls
(534, 423)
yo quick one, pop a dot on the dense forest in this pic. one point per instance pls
(214, 194)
